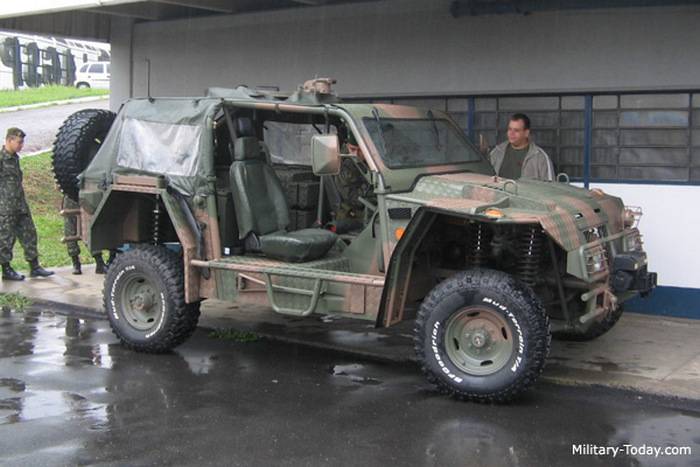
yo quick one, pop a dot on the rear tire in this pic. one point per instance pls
(77, 142)
(145, 300)
(482, 335)
(82, 86)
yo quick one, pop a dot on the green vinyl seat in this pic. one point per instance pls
(262, 212)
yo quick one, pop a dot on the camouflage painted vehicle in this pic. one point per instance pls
(409, 223)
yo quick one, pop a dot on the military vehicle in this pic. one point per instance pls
(378, 212)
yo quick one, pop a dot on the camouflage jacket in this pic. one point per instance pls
(12, 200)
(537, 164)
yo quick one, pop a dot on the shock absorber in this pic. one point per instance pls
(477, 245)
(156, 222)
(530, 244)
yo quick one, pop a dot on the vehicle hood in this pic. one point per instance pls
(563, 210)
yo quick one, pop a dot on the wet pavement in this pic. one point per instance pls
(71, 395)
(41, 124)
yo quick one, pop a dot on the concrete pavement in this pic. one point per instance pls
(649, 354)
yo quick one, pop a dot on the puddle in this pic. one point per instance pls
(13, 384)
(350, 371)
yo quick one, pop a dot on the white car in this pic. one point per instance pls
(93, 75)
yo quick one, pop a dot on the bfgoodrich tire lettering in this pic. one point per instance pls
(491, 305)
(145, 302)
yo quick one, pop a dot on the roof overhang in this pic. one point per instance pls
(92, 19)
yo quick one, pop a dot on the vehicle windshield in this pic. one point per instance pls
(419, 142)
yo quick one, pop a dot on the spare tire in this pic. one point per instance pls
(77, 142)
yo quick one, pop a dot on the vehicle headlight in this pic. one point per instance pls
(595, 260)
(631, 216)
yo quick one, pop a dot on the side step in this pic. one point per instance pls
(269, 269)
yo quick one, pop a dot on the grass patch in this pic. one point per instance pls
(15, 301)
(234, 335)
(44, 199)
(11, 98)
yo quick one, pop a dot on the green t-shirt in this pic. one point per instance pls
(512, 166)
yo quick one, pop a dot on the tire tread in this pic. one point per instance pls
(537, 321)
(184, 315)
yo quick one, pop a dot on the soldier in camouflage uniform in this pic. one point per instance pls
(15, 217)
(70, 228)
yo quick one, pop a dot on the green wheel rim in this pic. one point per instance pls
(142, 305)
(478, 341)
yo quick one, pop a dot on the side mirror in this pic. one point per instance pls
(325, 153)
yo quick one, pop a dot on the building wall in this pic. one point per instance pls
(417, 48)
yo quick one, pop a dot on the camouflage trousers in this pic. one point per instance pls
(70, 227)
(17, 226)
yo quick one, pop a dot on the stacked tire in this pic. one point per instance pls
(77, 141)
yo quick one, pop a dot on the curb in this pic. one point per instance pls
(51, 103)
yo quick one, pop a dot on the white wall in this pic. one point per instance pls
(670, 228)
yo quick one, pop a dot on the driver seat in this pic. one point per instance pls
(261, 207)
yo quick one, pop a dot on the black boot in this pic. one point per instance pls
(38, 271)
(100, 267)
(9, 274)
(76, 265)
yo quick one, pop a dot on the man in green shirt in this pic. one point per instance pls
(519, 157)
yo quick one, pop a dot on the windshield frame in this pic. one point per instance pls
(431, 125)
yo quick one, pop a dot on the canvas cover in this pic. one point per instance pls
(169, 137)
(173, 137)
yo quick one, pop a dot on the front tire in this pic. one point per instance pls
(145, 300)
(482, 335)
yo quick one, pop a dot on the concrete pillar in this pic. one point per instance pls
(121, 40)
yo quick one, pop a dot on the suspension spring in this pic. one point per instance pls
(530, 245)
(477, 247)
(156, 222)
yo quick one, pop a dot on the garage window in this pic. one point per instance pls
(634, 137)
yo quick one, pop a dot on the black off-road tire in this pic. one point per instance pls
(489, 293)
(77, 142)
(87, 113)
(169, 321)
(596, 329)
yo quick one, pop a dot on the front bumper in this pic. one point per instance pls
(595, 261)
(615, 267)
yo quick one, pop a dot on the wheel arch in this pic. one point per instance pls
(126, 217)
(399, 271)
